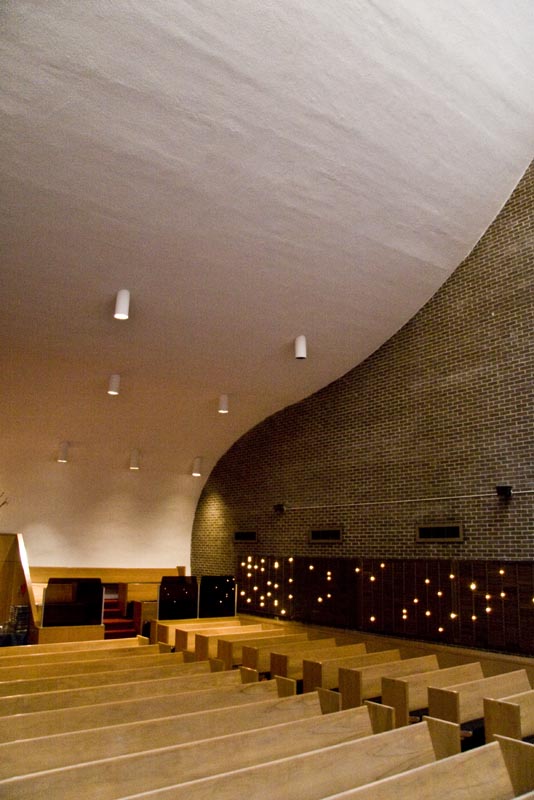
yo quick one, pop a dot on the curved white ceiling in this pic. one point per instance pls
(251, 171)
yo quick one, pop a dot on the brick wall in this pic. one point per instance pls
(423, 430)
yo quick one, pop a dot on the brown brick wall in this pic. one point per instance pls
(444, 410)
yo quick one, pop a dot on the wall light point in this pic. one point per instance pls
(134, 460)
(122, 304)
(63, 453)
(114, 384)
(197, 469)
(223, 404)
(300, 347)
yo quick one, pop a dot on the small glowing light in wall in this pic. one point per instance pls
(262, 605)
(357, 569)
(276, 586)
(249, 600)
(428, 613)
(276, 564)
(404, 610)
(382, 565)
(427, 580)
(372, 578)
(501, 572)
(262, 569)
(300, 347)
(223, 404)
(242, 593)
(63, 454)
(255, 588)
(472, 586)
(282, 611)
(122, 304)
(329, 596)
(269, 583)
(114, 384)
(311, 566)
(329, 572)
(134, 460)
(440, 629)
(474, 617)
(269, 594)
(290, 597)
(249, 558)
(290, 580)
(197, 472)
(405, 616)
(439, 594)
(275, 602)
(243, 564)
(452, 576)
(503, 594)
(328, 577)
(290, 559)
(262, 597)
(533, 599)
(249, 574)
(262, 561)
(452, 615)
(372, 619)
(488, 597)
(416, 600)
(488, 609)
(319, 599)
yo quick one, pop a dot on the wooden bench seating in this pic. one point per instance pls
(166, 631)
(85, 666)
(291, 665)
(230, 649)
(259, 656)
(169, 698)
(206, 645)
(63, 749)
(184, 635)
(464, 702)
(498, 771)
(364, 683)
(316, 774)
(410, 693)
(81, 655)
(165, 627)
(68, 647)
(511, 716)
(157, 767)
(325, 673)
(84, 680)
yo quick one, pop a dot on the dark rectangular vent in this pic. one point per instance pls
(326, 536)
(245, 536)
(440, 532)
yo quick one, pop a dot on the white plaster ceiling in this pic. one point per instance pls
(250, 171)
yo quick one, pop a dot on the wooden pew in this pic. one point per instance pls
(184, 635)
(156, 768)
(291, 665)
(410, 693)
(188, 620)
(259, 657)
(464, 702)
(166, 628)
(498, 771)
(158, 684)
(85, 666)
(206, 644)
(65, 647)
(511, 716)
(129, 674)
(357, 685)
(325, 673)
(180, 699)
(319, 773)
(230, 649)
(66, 749)
(81, 655)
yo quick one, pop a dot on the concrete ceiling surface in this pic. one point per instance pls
(250, 171)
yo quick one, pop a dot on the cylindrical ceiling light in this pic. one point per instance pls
(134, 459)
(197, 467)
(63, 453)
(114, 384)
(122, 304)
(300, 347)
(223, 404)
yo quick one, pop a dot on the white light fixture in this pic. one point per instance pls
(134, 459)
(122, 304)
(300, 347)
(223, 404)
(114, 384)
(197, 466)
(63, 454)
